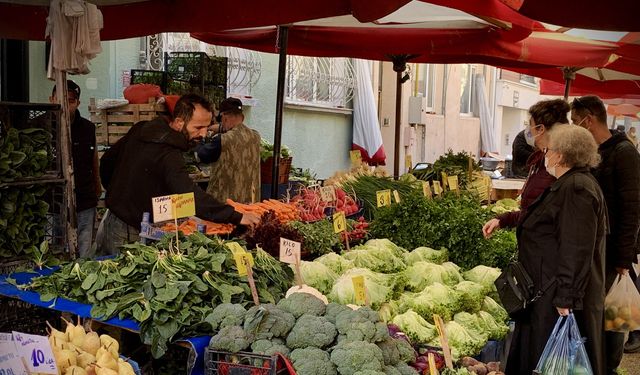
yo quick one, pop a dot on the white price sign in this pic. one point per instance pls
(289, 251)
(36, 353)
(162, 208)
(10, 363)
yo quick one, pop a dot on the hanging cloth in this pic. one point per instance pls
(366, 129)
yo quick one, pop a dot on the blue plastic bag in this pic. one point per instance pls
(564, 353)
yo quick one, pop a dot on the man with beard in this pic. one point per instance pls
(147, 163)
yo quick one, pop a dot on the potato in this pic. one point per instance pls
(493, 366)
(469, 361)
(479, 369)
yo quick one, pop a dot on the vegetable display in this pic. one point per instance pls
(23, 217)
(285, 212)
(453, 165)
(312, 207)
(24, 153)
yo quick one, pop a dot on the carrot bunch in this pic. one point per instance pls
(285, 212)
(190, 226)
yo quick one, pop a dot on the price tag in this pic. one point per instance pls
(383, 198)
(242, 260)
(339, 222)
(289, 251)
(356, 158)
(453, 182)
(396, 196)
(437, 189)
(433, 370)
(426, 190)
(184, 204)
(235, 248)
(162, 208)
(10, 362)
(445, 179)
(36, 352)
(359, 290)
(328, 193)
(408, 162)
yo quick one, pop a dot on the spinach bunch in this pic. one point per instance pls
(319, 237)
(24, 153)
(170, 292)
(23, 220)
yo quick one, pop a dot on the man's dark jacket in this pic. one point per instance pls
(147, 163)
(521, 151)
(619, 177)
(83, 148)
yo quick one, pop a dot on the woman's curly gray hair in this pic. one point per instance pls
(576, 145)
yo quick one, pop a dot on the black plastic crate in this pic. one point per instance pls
(216, 94)
(153, 77)
(196, 68)
(16, 315)
(23, 116)
(242, 363)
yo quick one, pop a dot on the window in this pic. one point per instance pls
(467, 88)
(320, 81)
(426, 83)
(525, 78)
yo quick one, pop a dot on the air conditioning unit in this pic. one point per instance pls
(417, 109)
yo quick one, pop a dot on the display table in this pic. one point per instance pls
(506, 188)
(196, 344)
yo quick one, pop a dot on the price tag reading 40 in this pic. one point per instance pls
(383, 198)
(289, 251)
(339, 222)
(359, 290)
(36, 352)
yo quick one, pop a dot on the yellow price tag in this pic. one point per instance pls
(356, 158)
(235, 248)
(359, 290)
(408, 162)
(242, 261)
(184, 204)
(383, 198)
(453, 182)
(328, 193)
(437, 189)
(426, 189)
(339, 222)
(396, 196)
(445, 179)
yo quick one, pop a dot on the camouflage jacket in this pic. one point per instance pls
(236, 174)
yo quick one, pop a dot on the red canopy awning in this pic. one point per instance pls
(586, 86)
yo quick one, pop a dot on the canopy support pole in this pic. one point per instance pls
(399, 66)
(569, 75)
(283, 36)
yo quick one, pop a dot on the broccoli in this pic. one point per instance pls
(231, 339)
(356, 326)
(405, 369)
(225, 315)
(299, 304)
(270, 347)
(312, 361)
(311, 331)
(390, 351)
(352, 357)
(369, 313)
(369, 372)
(406, 350)
(268, 321)
(390, 370)
(333, 309)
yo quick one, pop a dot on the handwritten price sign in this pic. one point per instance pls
(10, 363)
(243, 260)
(453, 182)
(289, 251)
(339, 222)
(328, 193)
(359, 290)
(170, 207)
(426, 189)
(396, 196)
(356, 158)
(383, 198)
(36, 352)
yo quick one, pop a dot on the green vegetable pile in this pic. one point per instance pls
(365, 187)
(453, 222)
(171, 293)
(23, 217)
(24, 153)
(319, 339)
(319, 237)
(266, 150)
(451, 164)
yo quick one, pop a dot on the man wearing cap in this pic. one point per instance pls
(235, 153)
(85, 168)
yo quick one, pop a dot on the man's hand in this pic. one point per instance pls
(250, 219)
(563, 311)
(622, 271)
(489, 227)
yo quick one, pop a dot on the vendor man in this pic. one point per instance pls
(148, 162)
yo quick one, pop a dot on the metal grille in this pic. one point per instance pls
(320, 80)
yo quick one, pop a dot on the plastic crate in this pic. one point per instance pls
(16, 315)
(193, 67)
(154, 77)
(266, 170)
(242, 363)
(30, 115)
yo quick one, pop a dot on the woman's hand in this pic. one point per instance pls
(489, 227)
(563, 311)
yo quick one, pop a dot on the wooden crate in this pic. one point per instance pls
(113, 123)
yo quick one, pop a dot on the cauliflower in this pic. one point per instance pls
(270, 347)
(268, 321)
(312, 361)
(299, 304)
(357, 325)
(225, 315)
(333, 309)
(405, 369)
(231, 339)
(352, 357)
(313, 331)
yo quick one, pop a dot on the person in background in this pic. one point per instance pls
(545, 116)
(561, 245)
(619, 177)
(235, 153)
(86, 176)
(633, 137)
(148, 162)
(521, 152)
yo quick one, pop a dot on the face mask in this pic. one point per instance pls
(529, 137)
(551, 169)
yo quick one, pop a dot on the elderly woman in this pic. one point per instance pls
(561, 245)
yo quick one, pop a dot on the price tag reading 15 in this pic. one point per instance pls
(383, 198)
(289, 251)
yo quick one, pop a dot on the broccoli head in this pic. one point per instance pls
(299, 304)
(358, 326)
(231, 339)
(268, 321)
(312, 361)
(313, 331)
(371, 314)
(225, 315)
(270, 347)
(390, 370)
(406, 350)
(405, 369)
(390, 351)
(369, 372)
(332, 311)
(352, 357)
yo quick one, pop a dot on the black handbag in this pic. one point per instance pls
(515, 288)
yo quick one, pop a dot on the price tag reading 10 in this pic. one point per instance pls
(339, 222)
(383, 198)
(289, 251)
(36, 351)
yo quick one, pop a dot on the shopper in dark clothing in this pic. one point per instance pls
(147, 163)
(521, 151)
(545, 115)
(561, 246)
(619, 177)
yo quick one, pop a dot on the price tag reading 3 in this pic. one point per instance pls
(339, 222)
(383, 198)
(359, 290)
(36, 352)
(289, 251)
